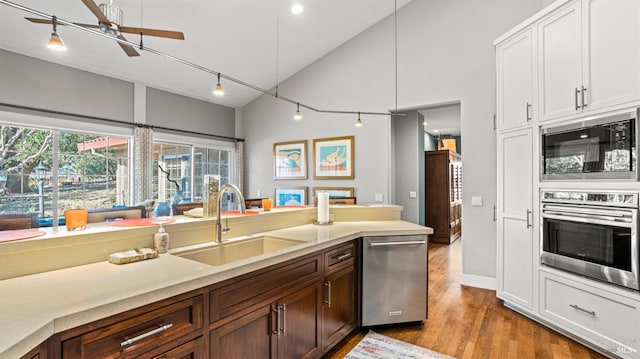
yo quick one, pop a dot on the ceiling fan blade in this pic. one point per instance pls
(97, 12)
(152, 32)
(44, 21)
(128, 49)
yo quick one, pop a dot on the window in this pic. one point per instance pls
(181, 167)
(46, 171)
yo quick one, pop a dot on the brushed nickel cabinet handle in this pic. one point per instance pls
(528, 221)
(328, 300)
(146, 335)
(277, 313)
(577, 307)
(341, 256)
(575, 99)
(284, 320)
(584, 89)
(528, 112)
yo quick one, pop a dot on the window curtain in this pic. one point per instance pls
(142, 160)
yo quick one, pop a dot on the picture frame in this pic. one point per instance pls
(290, 160)
(290, 196)
(333, 158)
(334, 192)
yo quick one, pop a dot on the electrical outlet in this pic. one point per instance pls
(379, 197)
(413, 194)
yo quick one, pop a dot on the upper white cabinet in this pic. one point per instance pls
(515, 80)
(589, 57)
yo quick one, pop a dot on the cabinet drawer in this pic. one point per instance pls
(608, 319)
(339, 257)
(264, 285)
(140, 333)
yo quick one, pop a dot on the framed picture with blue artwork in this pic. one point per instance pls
(333, 158)
(290, 196)
(290, 160)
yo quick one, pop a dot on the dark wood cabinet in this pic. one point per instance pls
(297, 309)
(443, 195)
(298, 326)
(340, 294)
(285, 329)
(139, 332)
(248, 336)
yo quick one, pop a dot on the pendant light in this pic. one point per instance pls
(55, 42)
(219, 91)
(298, 114)
(358, 121)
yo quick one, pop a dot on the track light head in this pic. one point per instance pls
(298, 114)
(358, 121)
(218, 91)
(55, 41)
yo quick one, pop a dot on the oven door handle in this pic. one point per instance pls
(589, 219)
(587, 210)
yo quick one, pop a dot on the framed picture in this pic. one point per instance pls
(290, 196)
(334, 192)
(290, 160)
(333, 158)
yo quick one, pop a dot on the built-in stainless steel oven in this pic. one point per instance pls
(593, 234)
(602, 147)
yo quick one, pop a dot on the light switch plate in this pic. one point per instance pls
(379, 197)
(413, 194)
(476, 201)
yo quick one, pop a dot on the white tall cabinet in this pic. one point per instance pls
(588, 54)
(516, 242)
(575, 59)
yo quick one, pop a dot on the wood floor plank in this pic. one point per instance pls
(470, 323)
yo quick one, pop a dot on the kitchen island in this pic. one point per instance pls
(39, 305)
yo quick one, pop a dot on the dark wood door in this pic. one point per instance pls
(339, 309)
(248, 337)
(299, 323)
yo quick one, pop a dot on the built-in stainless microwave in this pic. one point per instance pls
(594, 148)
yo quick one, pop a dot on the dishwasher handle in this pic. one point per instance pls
(396, 243)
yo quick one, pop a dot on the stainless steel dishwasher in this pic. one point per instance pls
(394, 279)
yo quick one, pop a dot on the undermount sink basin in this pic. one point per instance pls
(227, 252)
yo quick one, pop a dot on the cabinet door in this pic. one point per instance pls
(611, 52)
(190, 350)
(299, 327)
(339, 310)
(515, 238)
(515, 81)
(247, 337)
(559, 60)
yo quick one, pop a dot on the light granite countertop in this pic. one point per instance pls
(34, 307)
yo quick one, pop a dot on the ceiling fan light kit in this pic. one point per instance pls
(110, 17)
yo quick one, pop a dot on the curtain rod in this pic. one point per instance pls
(133, 124)
(191, 64)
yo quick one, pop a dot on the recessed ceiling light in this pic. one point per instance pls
(297, 8)
(436, 131)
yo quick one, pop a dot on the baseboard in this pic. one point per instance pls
(479, 281)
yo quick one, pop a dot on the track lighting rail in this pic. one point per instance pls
(191, 64)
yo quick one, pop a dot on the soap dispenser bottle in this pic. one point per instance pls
(161, 240)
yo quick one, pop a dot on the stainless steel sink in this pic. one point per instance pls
(227, 252)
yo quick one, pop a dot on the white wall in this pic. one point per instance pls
(445, 54)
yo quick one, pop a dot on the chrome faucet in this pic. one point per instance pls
(243, 209)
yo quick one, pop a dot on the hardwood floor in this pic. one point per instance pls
(468, 322)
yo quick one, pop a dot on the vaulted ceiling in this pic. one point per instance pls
(257, 41)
